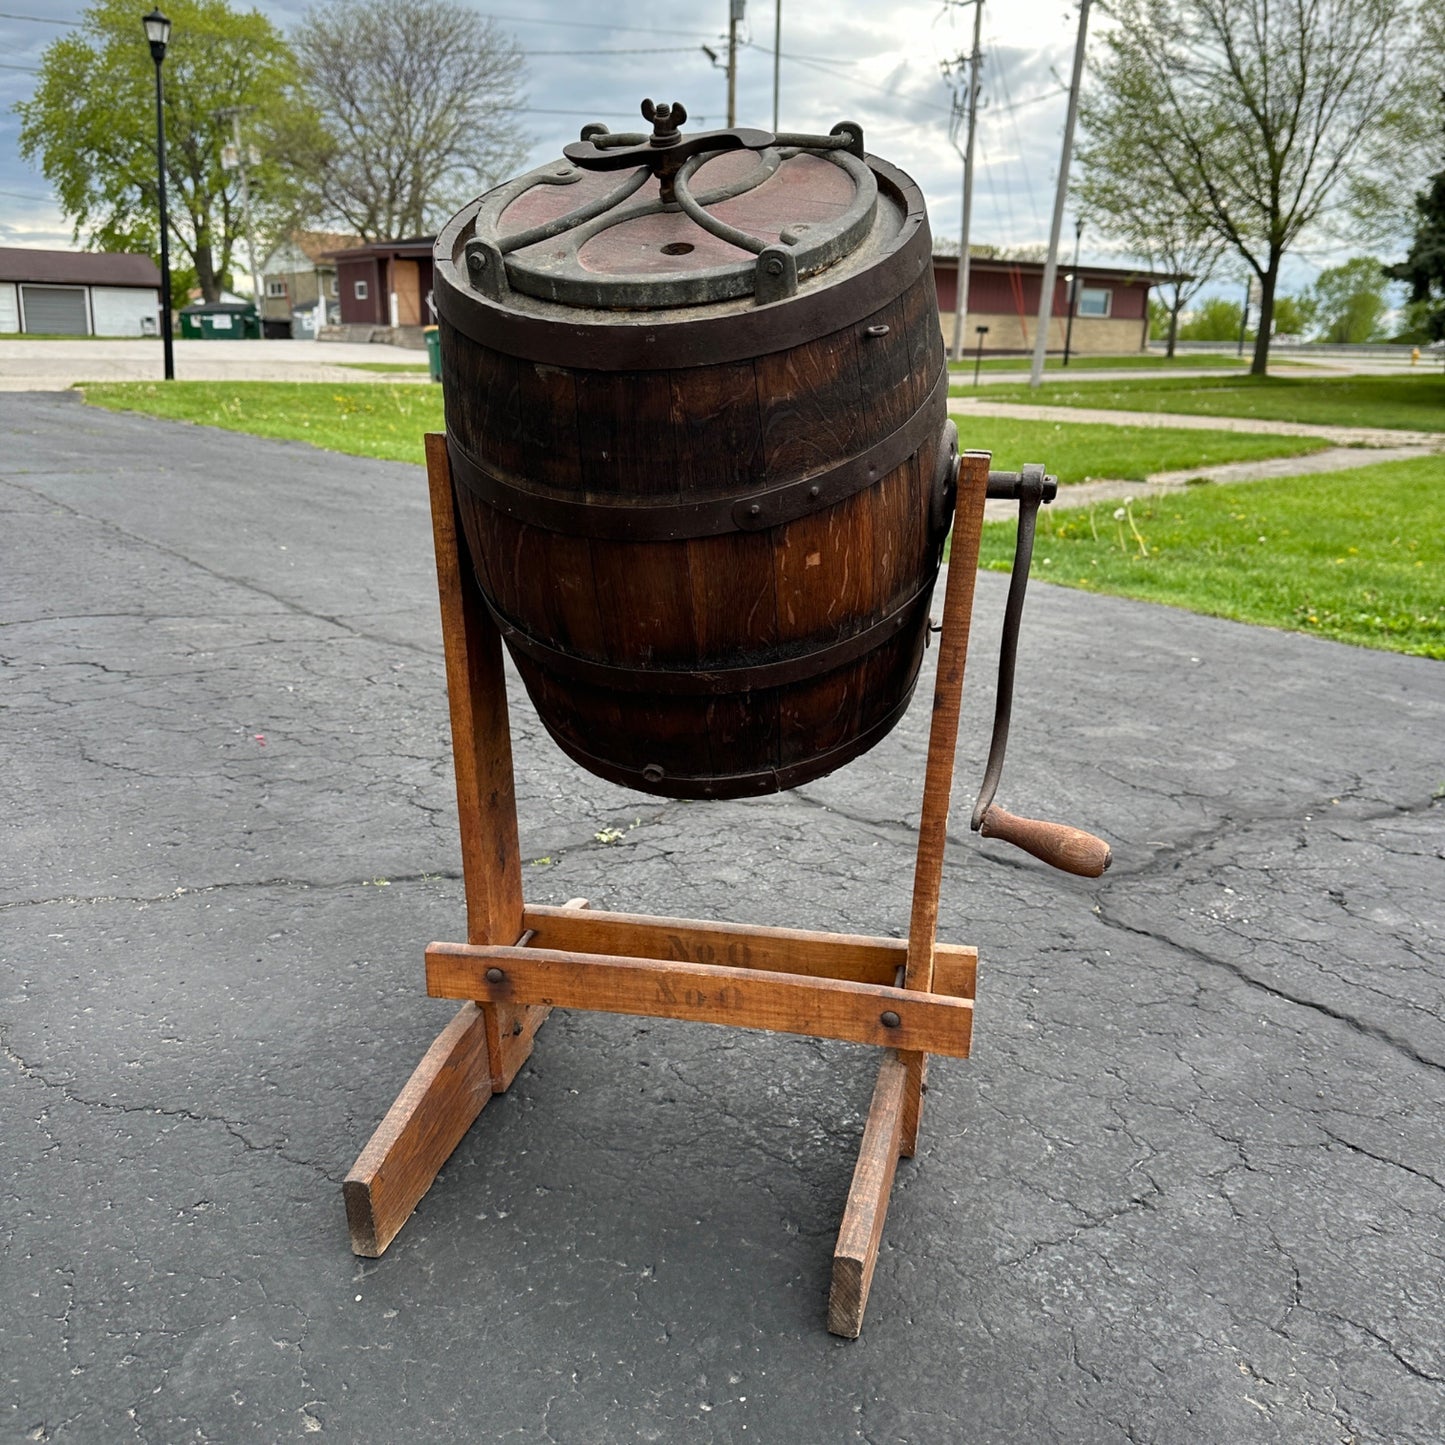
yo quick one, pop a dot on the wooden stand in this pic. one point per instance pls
(912, 998)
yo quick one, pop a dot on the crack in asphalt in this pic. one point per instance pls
(239, 885)
(285, 603)
(1381, 1158)
(1367, 1030)
(30, 1072)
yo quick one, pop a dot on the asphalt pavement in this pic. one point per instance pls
(1188, 1189)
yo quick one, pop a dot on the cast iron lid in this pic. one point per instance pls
(669, 220)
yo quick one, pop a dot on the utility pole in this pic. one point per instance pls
(1051, 266)
(777, 55)
(233, 113)
(735, 14)
(975, 63)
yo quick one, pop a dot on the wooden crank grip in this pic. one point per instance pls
(1070, 849)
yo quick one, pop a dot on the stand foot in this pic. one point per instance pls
(444, 1095)
(856, 1253)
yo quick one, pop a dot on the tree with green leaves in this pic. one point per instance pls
(1350, 302)
(1294, 315)
(1151, 221)
(90, 127)
(1218, 319)
(1423, 269)
(418, 104)
(1264, 118)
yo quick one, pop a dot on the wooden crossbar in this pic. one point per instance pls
(829, 1008)
(783, 950)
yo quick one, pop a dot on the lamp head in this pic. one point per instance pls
(158, 32)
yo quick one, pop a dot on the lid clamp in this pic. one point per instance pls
(664, 151)
(675, 159)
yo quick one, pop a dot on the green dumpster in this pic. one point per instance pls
(434, 351)
(220, 321)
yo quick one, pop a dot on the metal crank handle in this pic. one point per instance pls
(1071, 850)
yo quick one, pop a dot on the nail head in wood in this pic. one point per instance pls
(889, 1019)
(495, 975)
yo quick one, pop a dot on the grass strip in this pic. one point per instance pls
(362, 418)
(373, 419)
(1415, 403)
(392, 367)
(1357, 556)
(1080, 451)
(1131, 361)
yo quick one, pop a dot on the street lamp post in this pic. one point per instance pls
(1073, 290)
(158, 32)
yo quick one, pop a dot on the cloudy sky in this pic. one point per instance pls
(864, 60)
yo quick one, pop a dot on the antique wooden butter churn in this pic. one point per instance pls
(698, 474)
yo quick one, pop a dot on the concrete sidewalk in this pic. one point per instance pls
(57, 365)
(960, 406)
(1188, 1189)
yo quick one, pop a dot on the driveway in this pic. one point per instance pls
(1187, 1189)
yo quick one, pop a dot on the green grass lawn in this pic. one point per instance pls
(364, 418)
(1415, 403)
(373, 419)
(388, 366)
(1129, 361)
(1358, 556)
(1077, 451)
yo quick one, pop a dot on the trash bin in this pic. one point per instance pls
(220, 321)
(434, 351)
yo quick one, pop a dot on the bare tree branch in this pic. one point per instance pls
(419, 105)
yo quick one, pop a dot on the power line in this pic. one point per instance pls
(788, 55)
(615, 114)
(1032, 100)
(584, 25)
(882, 90)
(652, 50)
(40, 20)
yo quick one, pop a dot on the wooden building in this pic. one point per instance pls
(1112, 316)
(386, 283)
(78, 293)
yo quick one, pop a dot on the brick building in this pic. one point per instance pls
(1112, 316)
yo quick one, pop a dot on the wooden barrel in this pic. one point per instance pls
(697, 422)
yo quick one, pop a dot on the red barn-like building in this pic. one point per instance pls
(1112, 315)
(388, 284)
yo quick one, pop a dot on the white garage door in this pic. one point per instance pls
(124, 310)
(58, 310)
